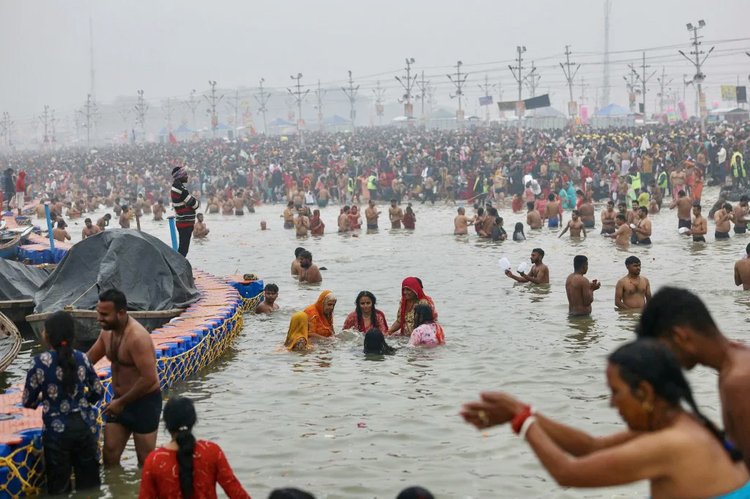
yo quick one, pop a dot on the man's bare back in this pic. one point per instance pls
(742, 273)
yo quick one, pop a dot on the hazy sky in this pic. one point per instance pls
(167, 48)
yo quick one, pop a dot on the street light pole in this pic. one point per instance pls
(699, 77)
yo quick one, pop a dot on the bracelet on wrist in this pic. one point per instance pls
(526, 425)
(519, 418)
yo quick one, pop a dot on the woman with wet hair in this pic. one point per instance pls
(375, 343)
(186, 467)
(426, 331)
(365, 316)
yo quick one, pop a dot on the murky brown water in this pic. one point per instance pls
(344, 427)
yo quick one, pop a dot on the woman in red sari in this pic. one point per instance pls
(366, 316)
(317, 227)
(412, 294)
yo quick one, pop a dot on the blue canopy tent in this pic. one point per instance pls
(336, 120)
(613, 110)
(281, 123)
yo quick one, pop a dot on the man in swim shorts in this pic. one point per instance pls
(699, 226)
(683, 204)
(371, 215)
(740, 216)
(552, 212)
(642, 228)
(136, 404)
(723, 217)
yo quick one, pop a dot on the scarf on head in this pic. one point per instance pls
(319, 323)
(297, 331)
(413, 284)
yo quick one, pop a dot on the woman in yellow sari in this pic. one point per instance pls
(320, 315)
(297, 339)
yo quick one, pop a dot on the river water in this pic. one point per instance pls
(342, 426)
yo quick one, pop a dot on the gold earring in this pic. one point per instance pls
(647, 406)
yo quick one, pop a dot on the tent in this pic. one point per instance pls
(281, 122)
(613, 110)
(336, 120)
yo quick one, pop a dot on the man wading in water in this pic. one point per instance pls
(136, 406)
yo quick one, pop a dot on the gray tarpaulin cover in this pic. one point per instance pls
(19, 281)
(150, 273)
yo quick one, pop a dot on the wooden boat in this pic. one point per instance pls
(87, 327)
(17, 310)
(10, 240)
(10, 342)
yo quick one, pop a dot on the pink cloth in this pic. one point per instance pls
(430, 334)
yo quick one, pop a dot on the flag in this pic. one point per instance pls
(485, 101)
(728, 92)
(172, 138)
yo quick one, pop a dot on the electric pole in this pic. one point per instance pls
(351, 93)
(532, 79)
(569, 77)
(459, 80)
(299, 96)
(630, 81)
(518, 75)
(52, 126)
(168, 110)
(379, 109)
(583, 86)
(45, 118)
(234, 105)
(141, 108)
(6, 125)
(663, 82)
(605, 66)
(699, 77)
(89, 112)
(644, 79)
(408, 83)
(487, 92)
(213, 100)
(423, 86)
(319, 94)
(192, 104)
(262, 100)
(685, 83)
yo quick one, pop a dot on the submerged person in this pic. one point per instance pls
(268, 305)
(412, 295)
(632, 291)
(320, 314)
(296, 268)
(578, 288)
(309, 272)
(680, 452)
(63, 380)
(518, 235)
(375, 343)
(539, 272)
(365, 316)
(410, 218)
(298, 336)
(742, 270)
(186, 467)
(317, 227)
(426, 331)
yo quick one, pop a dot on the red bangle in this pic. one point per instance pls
(518, 420)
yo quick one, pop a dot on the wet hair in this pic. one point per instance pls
(373, 311)
(649, 361)
(61, 224)
(271, 287)
(697, 205)
(551, 197)
(743, 198)
(631, 260)
(88, 220)
(681, 193)
(415, 493)
(579, 261)
(297, 251)
(747, 249)
(179, 418)
(530, 205)
(643, 209)
(575, 213)
(540, 251)
(290, 493)
(518, 229)
(116, 296)
(671, 307)
(620, 216)
(375, 343)
(727, 206)
(480, 211)
(422, 315)
(60, 329)
(305, 254)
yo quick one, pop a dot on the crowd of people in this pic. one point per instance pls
(559, 177)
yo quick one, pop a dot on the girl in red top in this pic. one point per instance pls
(186, 468)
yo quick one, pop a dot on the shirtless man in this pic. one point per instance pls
(125, 217)
(227, 207)
(552, 212)
(90, 229)
(309, 272)
(268, 305)
(395, 214)
(632, 291)
(289, 215)
(103, 222)
(683, 204)
(575, 225)
(371, 215)
(622, 233)
(158, 211)
(742, 270)
(301, 224)
(722, 219)
(323, 197)
(239, 203)
(344, 225)
(699, 227)
(539, 273)
(642, 229)
(681, 321)
(586, 212)
(740, 216)
(677, 178)
(578, 288)
(533, 217)
(136, 405)
(59, 233)
(461, 223)
(199, 229)
(608, 218)
(295, 263)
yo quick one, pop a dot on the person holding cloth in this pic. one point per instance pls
(185, 206)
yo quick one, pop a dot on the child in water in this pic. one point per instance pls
(518, 233)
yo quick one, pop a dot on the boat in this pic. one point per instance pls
(87, 326)
(11, 240)
(18, 285)
(10, 342)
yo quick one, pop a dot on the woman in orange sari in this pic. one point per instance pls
(412, 294)
(320, 315)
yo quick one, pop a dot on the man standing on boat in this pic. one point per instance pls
(136, 404)
(185, 206)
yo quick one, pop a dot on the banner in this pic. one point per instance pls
(741, 95)
(572, 108)
(728, 92)
(683, 110)
(485, 101)
(520, 106)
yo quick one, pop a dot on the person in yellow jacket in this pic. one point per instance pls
(739, 173)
